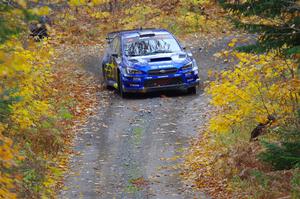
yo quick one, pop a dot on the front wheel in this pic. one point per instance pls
(192, 90)
(122, 93)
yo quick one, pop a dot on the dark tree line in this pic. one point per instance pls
(284, 33)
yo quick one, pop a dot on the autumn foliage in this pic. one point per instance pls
(257, 87)
(42, 94)
(34, 114)
(243, 97)
(250, 147)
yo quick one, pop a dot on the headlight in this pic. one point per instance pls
(189, 66)
(133, 71)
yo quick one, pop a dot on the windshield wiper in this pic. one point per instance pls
(150, 53)
(159, 51)
(133, 55)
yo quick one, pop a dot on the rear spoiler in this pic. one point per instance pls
(149, 34)
(111, 35)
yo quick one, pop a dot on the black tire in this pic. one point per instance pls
(192, 90)
(108, 87)
(122, 93)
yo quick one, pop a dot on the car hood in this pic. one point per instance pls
(158, 61)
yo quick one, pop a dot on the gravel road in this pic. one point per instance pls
(132, 148)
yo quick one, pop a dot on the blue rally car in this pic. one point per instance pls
(146, 60)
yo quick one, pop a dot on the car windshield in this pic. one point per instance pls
(141, 46)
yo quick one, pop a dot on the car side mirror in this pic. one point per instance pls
(189, 53)
(183, 45)
(109, 40)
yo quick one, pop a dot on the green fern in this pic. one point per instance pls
(281, 156)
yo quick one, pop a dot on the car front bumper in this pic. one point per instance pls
(142, 84)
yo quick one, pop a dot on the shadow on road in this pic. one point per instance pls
(160, 94)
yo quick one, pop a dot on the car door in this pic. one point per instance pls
(115, 58)
(106, 62)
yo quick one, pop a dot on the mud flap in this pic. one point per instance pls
(116, 85)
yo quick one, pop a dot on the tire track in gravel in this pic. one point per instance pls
(130, 149)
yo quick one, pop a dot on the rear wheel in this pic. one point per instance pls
(192, 90)
(122, 93)
(103, 72)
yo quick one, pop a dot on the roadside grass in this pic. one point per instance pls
(131, 189)
(137, 135)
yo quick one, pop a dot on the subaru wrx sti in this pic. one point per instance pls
(145, 60)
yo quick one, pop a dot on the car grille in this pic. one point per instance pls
(166, 71)
(162, 82)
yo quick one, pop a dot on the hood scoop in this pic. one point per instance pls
(161, 59)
